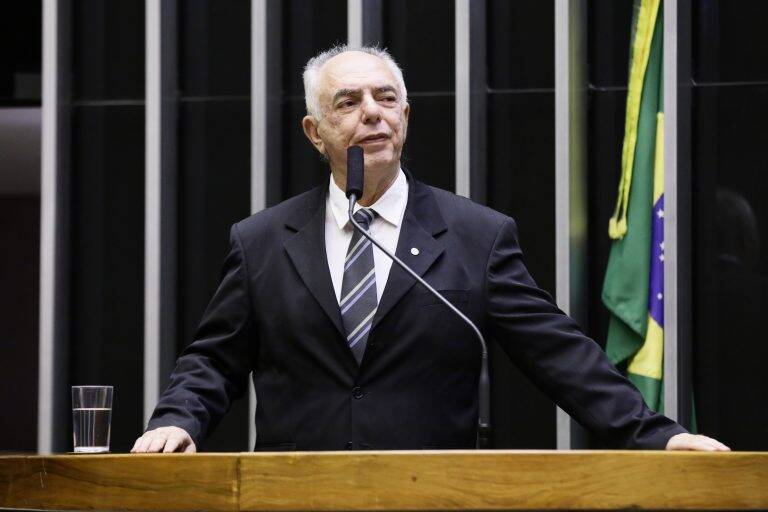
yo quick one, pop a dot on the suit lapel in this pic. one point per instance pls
(307, 252)
(421, 223)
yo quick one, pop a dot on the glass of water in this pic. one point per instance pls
(91, 418)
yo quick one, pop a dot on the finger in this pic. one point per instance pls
(714, 443)
(135, 445)
(191, 448)
(679, 442)
(695, 442)
(172, 444)
(158, 441)
(707, 444)
(717, 445)
(722, 447)
(143, 443)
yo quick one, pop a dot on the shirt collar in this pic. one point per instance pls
(390, 206)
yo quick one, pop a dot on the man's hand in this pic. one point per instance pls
(687, 441)
(165, 439)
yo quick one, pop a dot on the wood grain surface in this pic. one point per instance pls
(120, 482)
(423, 480)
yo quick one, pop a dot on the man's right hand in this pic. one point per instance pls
(165, 439)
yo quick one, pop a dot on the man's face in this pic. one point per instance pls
(362, 106)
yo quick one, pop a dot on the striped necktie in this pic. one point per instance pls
(358, 287)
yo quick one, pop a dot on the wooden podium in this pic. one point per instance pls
(392, 480)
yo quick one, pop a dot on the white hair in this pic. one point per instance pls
(316, 63)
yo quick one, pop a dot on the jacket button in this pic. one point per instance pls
(357, 393)
(350, 445)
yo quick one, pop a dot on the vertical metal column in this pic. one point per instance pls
(152, 183)
(570, 177)
(678, 382)
(49, 221)
(364, 22)
(53, 394)
(463, 84)
(355, 23)
(670, 210)
(259, 140)
(160, 195)
(471, 99)
(258, 105)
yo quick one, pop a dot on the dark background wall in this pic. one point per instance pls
(608, 41)
(103, 104)
(19, 224)
(521, 183)
(19, 261)
(105, 166)
(213, 165)
(420, 36)
(730, 220)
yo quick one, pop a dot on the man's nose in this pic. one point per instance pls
(371, 110)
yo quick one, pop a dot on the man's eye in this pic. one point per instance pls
(346, 103)
(389, 99)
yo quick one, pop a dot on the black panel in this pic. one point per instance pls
(730, 44)
(608, 46)
(213, 173)
(606, 134)
(214, 48)
(521, 44)
(731, 264)
(429, 150)
(21, 40)
(213, 193)
(609, 24)
(107, 260)
(420, 37)
(19, 273)
(303, 168)
(108, 49)
(310, 26)
(521, 175)
(521, 181)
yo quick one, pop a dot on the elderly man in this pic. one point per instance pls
(346, 351)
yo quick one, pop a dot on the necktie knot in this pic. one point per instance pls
(364, 217)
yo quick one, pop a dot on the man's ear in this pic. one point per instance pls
(309, 124)
(406, 114)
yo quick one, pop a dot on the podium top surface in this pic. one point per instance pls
(388, 480)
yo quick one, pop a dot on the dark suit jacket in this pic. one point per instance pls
(275, 313)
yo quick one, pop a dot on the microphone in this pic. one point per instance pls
(355, 181)
(355, 167)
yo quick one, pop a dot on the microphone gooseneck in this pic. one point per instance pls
(355, 181)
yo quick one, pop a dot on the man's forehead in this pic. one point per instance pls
(354, 70)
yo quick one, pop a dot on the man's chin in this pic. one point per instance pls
(380, 166)
(381, 158)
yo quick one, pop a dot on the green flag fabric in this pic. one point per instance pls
(633, 286)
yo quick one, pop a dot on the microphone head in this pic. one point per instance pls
(355, 171)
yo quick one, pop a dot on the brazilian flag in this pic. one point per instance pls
(633, 290)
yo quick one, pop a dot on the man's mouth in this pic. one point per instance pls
(376, 137)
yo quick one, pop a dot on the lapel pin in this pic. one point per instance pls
(414, 251)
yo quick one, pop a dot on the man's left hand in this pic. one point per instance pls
(687, 441)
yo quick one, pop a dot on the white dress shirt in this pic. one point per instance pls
(390, 209)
